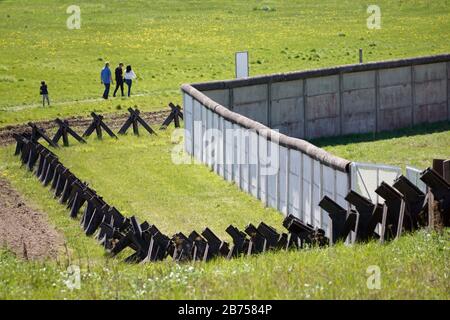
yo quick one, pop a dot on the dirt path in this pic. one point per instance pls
(63, 103)
(114, 121)
(23, 230)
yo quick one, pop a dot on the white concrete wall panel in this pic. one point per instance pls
(253, 165)
(307, 189)
(197, 136)
(188, 123)
(262, 150)
(272, 179)
(295, 170)
(317, 194)
(229, 150)
(283, 179)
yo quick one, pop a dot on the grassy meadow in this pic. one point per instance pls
(174, 42)
(170, 42)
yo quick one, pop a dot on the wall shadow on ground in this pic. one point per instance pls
(369, 137)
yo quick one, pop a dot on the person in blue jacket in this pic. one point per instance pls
(106, 79)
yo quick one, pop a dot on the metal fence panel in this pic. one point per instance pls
(366, 178)
(413, 175)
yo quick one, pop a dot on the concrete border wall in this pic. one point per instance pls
(295, 184)
(361, 98)
(327, 102)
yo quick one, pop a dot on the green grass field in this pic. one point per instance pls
(415, 267)
(137, 176)
(174, 42)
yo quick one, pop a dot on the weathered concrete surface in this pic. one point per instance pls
(326, 127)
(394, 97)
(220, 96)
(358, 102)
(431, 89)
(392, 119)
(252, 102)
(395, 76)
(363, 98)
(322, 85)
(322, 107)
(358, 80)
(287, 115)
(288, 89)
(287, 108)
(256, 111)
(249, 94)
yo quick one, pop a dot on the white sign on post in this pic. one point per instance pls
(242, 64)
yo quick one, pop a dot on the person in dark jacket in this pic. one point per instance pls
(44, 93)
(119, 79)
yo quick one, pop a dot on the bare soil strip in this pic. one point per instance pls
(114, 121)
(23, 230)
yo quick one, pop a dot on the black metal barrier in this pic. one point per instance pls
(98, 125)
(135, 119)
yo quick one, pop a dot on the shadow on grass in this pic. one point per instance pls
(369, 137)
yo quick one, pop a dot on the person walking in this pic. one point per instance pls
(44, 93)
(129, 76)
(119, 79)
(106, 79)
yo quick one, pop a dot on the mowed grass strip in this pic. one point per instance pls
(414, 267)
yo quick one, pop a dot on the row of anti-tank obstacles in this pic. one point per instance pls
(98, 125)
(406, 208)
